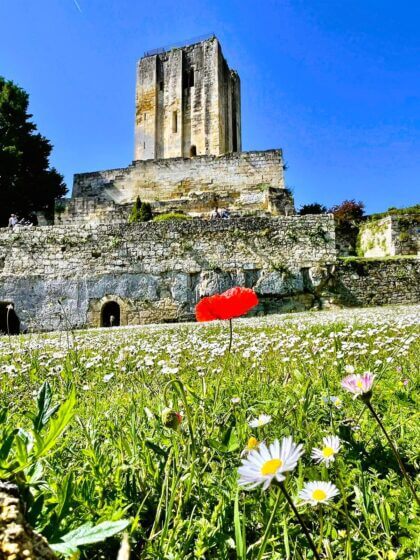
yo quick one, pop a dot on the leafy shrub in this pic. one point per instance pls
(171, 216)
(313, 208)
(141, 212)
(392, 211)
(135, 211)
(349, 211)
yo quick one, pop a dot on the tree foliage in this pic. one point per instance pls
(27, 182)
(134, 216)
(313, 208)
(141, 212)
(145, 214)
(349, 211)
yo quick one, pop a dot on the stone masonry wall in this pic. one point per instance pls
(175, 178)
(158, 271)
(259, 201)
(377, 282)
(390, 236)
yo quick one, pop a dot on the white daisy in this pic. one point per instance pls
(318, 492)
(263, 465)
(327, 454)
(261, 421)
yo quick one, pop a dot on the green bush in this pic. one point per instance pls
(171, 216)
(141, 212)
(396, 211)
(134, 216)
(145, 213)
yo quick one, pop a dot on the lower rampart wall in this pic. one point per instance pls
(158, 271)
(59, 276)
(363, 282)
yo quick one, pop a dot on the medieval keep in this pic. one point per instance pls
(93, 268)
(187, 153)
(188, 103)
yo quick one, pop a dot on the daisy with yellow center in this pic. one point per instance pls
(327, 453)
(252, 444)
(359, 385)
(264, 465)
(318, 492)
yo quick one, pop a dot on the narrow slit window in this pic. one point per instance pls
(161, 86)
(144, 116)
(175, 121)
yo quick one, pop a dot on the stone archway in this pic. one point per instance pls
(98, 314)
(9, 321)
(110, 314)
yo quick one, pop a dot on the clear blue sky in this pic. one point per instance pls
(335, 83)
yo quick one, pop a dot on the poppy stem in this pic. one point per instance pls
(230, 335)
(299, 518)
(394, 450)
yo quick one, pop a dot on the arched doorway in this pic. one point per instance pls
(9, 321)
(110, 314)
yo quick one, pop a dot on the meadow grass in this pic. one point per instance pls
(111, 455)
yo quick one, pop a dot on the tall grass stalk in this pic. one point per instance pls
(393, 449)
(301, 522)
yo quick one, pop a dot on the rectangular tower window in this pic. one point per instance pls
(161, 86)
(144, 116)
(175, 121)
(188, 78)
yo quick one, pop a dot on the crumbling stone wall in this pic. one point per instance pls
(62, 275)
(390, 236)
(245, 183)
(365, 283)
(176, 178)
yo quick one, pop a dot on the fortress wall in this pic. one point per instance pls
(390, 236)
(169, 179)
(158, 271)
(363, 283)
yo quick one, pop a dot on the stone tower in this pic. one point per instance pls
(188, 103)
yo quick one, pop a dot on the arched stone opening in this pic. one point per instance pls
(9, 321)
(110, 314)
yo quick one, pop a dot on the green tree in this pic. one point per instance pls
(314, 208)
(348, 212)
(145, 214)
(141, 212)
(135, 211)
(27, 182)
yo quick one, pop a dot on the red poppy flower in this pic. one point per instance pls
(228, 305)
